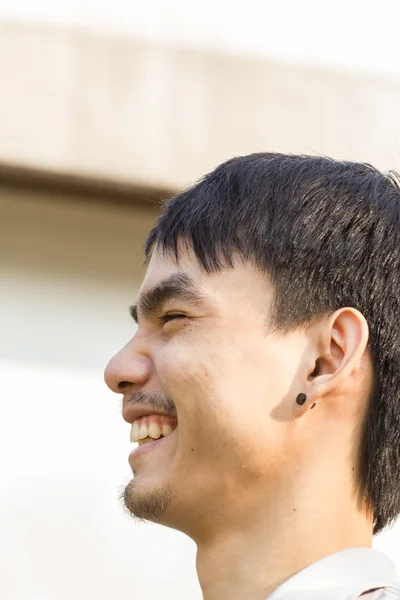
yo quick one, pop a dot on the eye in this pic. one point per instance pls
(172, 317)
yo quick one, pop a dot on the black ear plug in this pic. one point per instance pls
(301, 398)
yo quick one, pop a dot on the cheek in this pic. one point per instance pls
(188, 368)
(219, 380)
(225, 392)
(232, 383)
(197, 377)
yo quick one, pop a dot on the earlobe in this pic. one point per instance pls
(302, 398)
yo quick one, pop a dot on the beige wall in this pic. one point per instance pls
(148, 114)
(162, 116)
(67, 267)
(68, 272)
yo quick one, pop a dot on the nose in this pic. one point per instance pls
(127, 368)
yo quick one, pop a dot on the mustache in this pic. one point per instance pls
(159, 402)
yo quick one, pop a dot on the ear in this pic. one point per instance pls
(341, 341)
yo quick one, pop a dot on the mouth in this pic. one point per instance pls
(152, 426)
(148, 444)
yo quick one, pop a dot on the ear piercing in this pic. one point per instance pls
(301, 398)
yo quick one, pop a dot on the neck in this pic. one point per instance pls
(270, 545)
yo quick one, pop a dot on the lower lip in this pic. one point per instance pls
(144, 448)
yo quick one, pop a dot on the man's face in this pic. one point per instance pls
(229, 380)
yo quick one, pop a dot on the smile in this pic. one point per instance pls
(152, 427)
(148, 444)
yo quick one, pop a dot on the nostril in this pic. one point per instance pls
(123, 385)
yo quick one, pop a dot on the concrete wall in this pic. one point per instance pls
(159, 115)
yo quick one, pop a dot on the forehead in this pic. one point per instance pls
(163, 265)
(243, 281)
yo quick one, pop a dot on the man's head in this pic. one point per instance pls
(274, 275)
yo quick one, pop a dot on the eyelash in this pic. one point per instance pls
(170, 317)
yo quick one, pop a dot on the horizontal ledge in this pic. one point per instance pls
(80, 187)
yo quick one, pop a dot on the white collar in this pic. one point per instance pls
(340, 576)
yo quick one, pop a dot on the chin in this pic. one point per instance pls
(143, 503)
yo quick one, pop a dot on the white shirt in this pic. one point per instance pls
(345, 575)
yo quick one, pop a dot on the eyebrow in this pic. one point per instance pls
(178, 286)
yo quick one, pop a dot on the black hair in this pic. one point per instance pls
(327, 233)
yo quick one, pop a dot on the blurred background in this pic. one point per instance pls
(105, 108)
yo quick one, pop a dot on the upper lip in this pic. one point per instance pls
(131, 412)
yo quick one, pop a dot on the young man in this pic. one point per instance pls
(263, 381)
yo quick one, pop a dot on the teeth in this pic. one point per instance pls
(154, 431)
(135, 432)
(148, 439)
(166, 429)
(143, 431)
